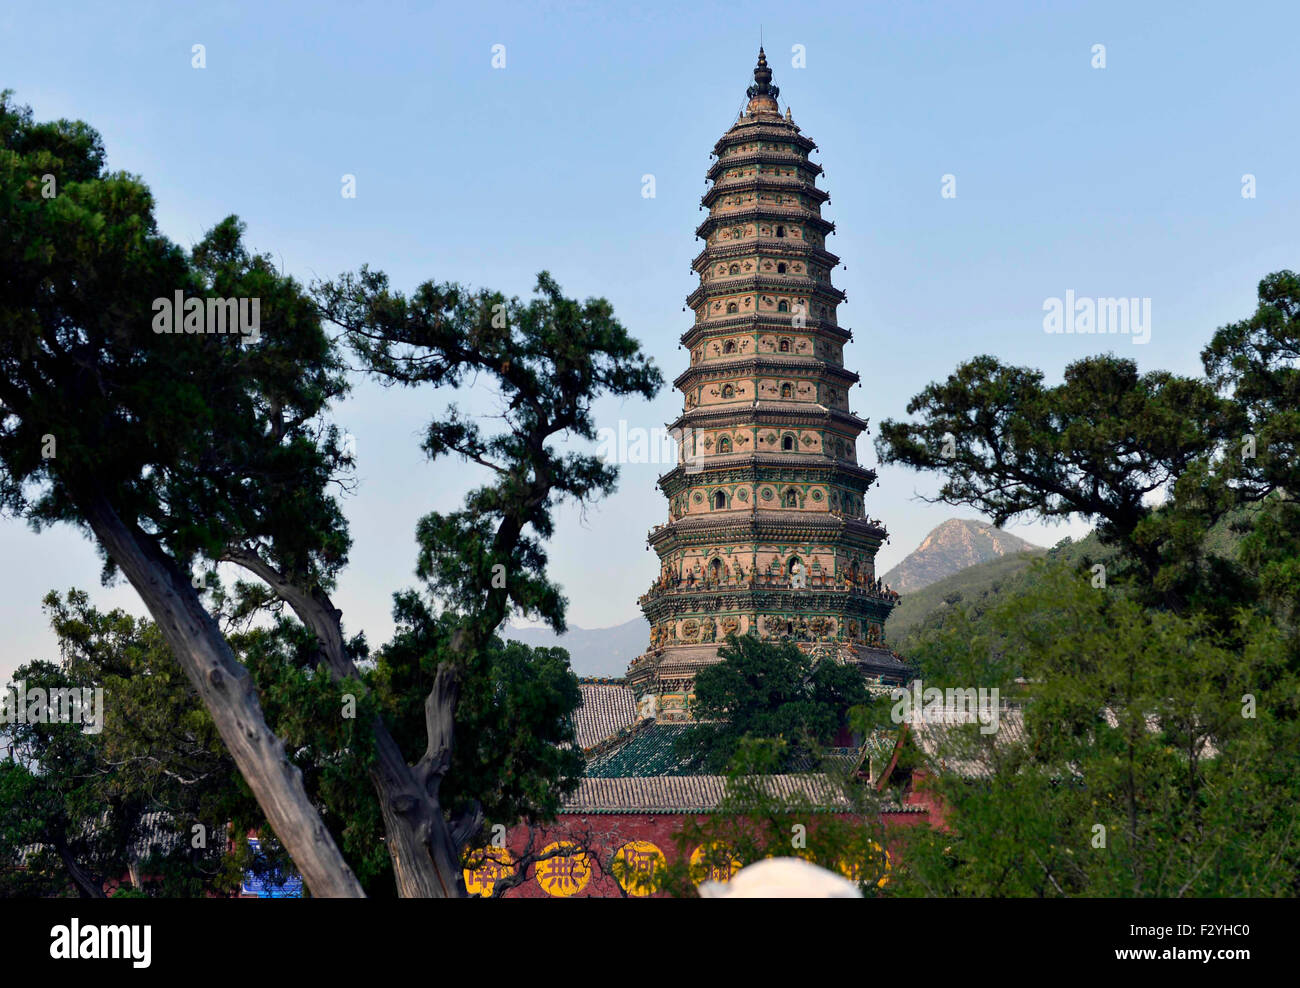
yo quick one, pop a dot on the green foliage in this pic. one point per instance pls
(976, 588)
(768, 690)
(159, 766)
(513, 719)
(156, 423)
(307, 708)
(1255, 362)
(1161, 705)
(549, 358)
(1135, 723)
(1096, 446)
(969, 587)
(129, 795)
(216, 447)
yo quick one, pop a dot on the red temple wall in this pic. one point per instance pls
(607, 832)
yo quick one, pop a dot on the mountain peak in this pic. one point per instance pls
(951, 547)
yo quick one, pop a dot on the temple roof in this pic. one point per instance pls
(155, 833)
(697, 794)
(950, 741)
(607, 709)
(650, 751)
(878, 661)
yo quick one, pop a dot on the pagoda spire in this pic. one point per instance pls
(762, 80)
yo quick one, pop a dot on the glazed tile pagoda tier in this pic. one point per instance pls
(767, 529)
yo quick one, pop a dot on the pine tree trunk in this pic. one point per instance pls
(424, 853)
(88, 886)
(229, 695)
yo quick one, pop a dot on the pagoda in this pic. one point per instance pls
(767, 531)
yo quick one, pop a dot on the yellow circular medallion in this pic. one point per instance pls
(485, 867)
(563, 874)
(637, 866)
(713, 863)
(852, 870)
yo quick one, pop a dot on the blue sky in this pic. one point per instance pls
(1119, 181)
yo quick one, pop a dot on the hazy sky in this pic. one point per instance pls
(1117, 181)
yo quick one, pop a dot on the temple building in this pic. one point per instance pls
(767, 530)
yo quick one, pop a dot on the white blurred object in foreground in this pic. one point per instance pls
(782, 878)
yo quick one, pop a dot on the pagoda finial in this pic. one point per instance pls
(762, 79)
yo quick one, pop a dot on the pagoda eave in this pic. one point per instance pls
(762, 245)
(770, 525)
(766, 413)
(814, 220)
(746, 130)
(750, 470)
(760, 321)
(771, 363)
(838, 602)
(762, 157)
(776, 284)
(763, 183)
